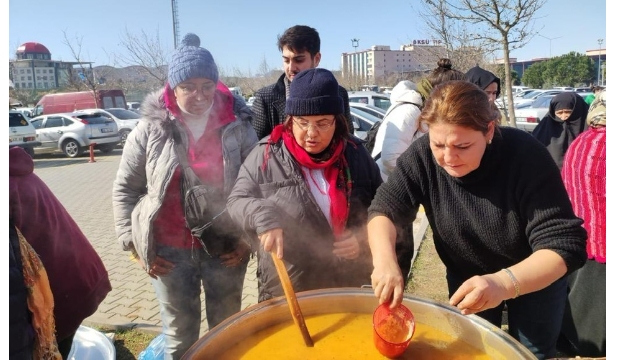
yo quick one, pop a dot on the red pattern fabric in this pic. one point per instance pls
(205, 156)
(584, 176)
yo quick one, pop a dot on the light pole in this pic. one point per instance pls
(550, 39)
(355, 42)
(599, 51)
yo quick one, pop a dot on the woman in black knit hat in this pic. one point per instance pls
(304, 192)
(502, 221)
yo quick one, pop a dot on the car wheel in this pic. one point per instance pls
(72, 148)
(106, 148)
(123, 136)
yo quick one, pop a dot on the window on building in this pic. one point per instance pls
(22, 78)
(29, 85)
(21, 71)
(37, 71)
(50, 71)
(29, 78)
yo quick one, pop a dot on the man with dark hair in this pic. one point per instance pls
(300, 47)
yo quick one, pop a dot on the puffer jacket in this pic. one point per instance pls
(149, 160)
(275, 195)
(399, 127)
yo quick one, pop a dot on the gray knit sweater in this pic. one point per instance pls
(514, 204)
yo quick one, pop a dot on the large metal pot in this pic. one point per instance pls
(470, 329)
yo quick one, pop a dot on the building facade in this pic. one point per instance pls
(370, 65)
(33, 68)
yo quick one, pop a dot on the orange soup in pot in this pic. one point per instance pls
(346, 336)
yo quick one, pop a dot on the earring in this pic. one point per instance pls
(490, 140)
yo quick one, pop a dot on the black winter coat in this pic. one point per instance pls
(277, 196)
(268, 107)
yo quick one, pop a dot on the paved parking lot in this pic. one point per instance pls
(84, 188)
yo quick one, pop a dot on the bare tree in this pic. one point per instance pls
(145, 52)
(454, 39)
(83, 79)
(492, 25)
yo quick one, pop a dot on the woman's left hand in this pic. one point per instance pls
(237, 256)
(347, 247)
(479, 293)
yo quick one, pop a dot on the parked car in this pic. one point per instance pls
(125, 119)
(25, 111)
(502, 100)
(370, 97)
(528, 99)
(21, 132)
(528, 118)
(362, 121)
(373, 110)
(72, 133)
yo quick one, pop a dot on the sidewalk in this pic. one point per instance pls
(85, 190)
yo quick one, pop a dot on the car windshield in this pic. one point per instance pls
(16, 119)
(124, 114)
(93, 119)
(365, 115)
(542, 102)
(532, 94)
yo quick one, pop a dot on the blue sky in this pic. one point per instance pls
(241, 33)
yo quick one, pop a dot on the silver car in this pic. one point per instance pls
(72, 133)
(528, 118)
(125, 119)
(373, 110)
(362, 121)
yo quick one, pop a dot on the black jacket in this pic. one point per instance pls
(269, 103)
(276, 195)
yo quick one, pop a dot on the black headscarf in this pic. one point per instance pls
(482, 78)
(557, 134)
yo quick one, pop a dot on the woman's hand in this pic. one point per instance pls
(271, 238)
(237, 256)
(159, 267)
(347, 246)
(480, 293)
(387, 283)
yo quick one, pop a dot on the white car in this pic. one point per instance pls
(73, 133)
(373, 110)
(526, 100)
(362, 121)
(125, 119)
(21, 132)
(370, 97)
(528, 118)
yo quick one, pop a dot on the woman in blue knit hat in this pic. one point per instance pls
(193, 122)
(304, 192)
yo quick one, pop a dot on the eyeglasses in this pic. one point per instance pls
(190, 89)
(322, 125)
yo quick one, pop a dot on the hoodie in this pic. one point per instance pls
(399, 127)
(482, 78)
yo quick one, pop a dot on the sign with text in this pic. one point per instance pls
(428, 42)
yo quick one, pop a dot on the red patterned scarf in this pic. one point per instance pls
(336, 172)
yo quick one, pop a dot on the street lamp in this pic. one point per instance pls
(550, 39)
(355, 42)
(599, 51)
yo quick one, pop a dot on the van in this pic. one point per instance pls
(73, 101)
